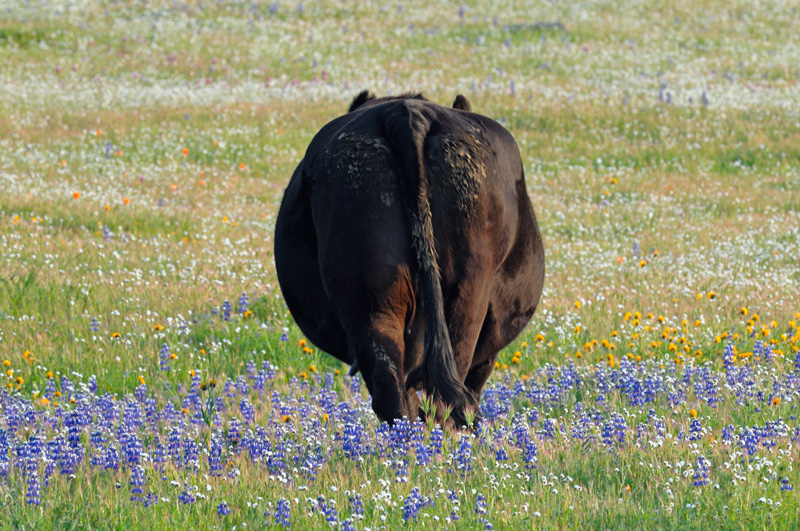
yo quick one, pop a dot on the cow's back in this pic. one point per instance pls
(473, 169)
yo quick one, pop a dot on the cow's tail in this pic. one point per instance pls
(406, 127)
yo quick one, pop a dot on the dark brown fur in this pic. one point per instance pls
(406, 245)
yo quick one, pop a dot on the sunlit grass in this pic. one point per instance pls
(143, 153)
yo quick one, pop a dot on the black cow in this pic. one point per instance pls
(406, 243)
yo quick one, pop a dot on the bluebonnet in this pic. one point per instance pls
(276, 462)
(151, 411)
(137, 482)
(111, 457)
(727, 434)
(248, 411)
(190, 452)
(728, 357)
(140, 393)
(580, 427)
(749, 440)
(174, 444)
(73, 429)
(695, 430)
(353, 438)
(49, 389)
(607, 433)
(242, 386)
(48, 472)
(282, 513)
(215, 456)
(235, 432)
(33, 495)
(413, 503)
(549, 429)
(529, 452)
(436, 440)
(159, 454)
(453, 497)
(328, 509)
(186, 497)
(132, 446)
(222, 509)
(700, 477)
(66, 386)
(480, 505)
(164, 356)
(4, 450)
(356, 504)
(464, 454)
(520, 432)
(422, 451)
(244, 303)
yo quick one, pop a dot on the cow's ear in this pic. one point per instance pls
(462, 103)
(363, 97)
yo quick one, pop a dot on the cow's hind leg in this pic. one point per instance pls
(374, 312)
(497, 332)
(380, 360)
(515, 293)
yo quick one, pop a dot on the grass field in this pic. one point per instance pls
(153, 378)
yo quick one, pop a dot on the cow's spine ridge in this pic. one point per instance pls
(408, 134)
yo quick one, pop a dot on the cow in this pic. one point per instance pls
(406, 246)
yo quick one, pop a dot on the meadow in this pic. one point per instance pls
(152, 377)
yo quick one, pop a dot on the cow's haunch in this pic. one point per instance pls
(406, 245)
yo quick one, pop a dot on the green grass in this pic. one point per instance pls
(157, 239)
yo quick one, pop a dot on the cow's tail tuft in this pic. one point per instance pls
(406, 127)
